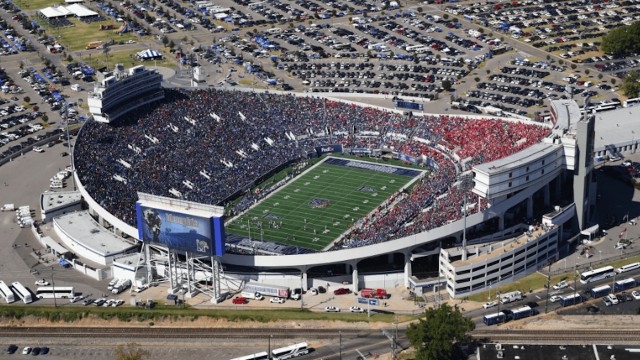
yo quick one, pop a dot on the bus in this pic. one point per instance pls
(493, 319)
(290, 351)
(522, 312)
(257, 356)
(6, 293)
(597, 274)
(59, 292)
(600, 291)
(624, 284)
(631, 102)
(628, 267)
(571, 300)
(23, 293)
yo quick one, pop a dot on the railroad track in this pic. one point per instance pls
(586, 336)
(190, 333)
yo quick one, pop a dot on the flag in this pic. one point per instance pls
(244, 118)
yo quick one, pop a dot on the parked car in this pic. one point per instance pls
(239, 300)
(12, 349)
(35, 351)
(76, 298)
(26, 350)
(561, 285)
(636, 294)
(607, 301)
(356, 309)
(331, 309)
(490, 304)
(341, 291)
(42, 282)
(555, 298)
(277, 300)
(44, 350)
(613, 298)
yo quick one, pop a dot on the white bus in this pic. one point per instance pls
(23, 293)
(58, 292)
(631, 102)
(628, 267)
(597, 274)
(6, 293)
(257, 356)
(290, 351)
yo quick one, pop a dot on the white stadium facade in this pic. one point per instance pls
(526, 222)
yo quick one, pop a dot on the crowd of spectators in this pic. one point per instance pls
(212, 145)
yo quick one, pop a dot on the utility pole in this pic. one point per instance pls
(53, 287)
(340, 335)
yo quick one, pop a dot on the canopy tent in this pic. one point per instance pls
(81, 10)
(63, 11)
(52, 12)
(149, 54)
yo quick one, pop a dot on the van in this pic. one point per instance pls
(56, 184)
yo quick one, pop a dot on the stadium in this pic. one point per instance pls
(318, 190)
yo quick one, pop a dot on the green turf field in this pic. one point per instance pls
(315, 208)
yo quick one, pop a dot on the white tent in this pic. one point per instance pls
(81, 10)
(55, 11)
(149, 54)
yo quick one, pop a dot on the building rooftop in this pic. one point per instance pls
(617, 126)
(53, 200)
(567, 112)
(532, 153)
(80, 225)
(488, 251)
(189, 207)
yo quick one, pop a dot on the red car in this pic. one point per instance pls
(239, 300)
(341, 291)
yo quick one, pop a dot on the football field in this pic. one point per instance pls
(315, 208)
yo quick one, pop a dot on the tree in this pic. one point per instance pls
(45, 118)
(631, 86)
(437, 336)
(446, 85)
(27, 99)
(131, 351)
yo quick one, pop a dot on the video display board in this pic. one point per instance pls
(181, 231)
(408, 105)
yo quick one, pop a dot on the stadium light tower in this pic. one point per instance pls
(465, 183)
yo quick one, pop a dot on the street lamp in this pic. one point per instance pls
(465, 185)
(53, 288)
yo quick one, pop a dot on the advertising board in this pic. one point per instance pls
(181, 231)
(408, 105)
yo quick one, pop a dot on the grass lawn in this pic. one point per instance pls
(122, 57)
(167, 312)
(537, 281)
(35, 4)
(77, 37)
(314, 209)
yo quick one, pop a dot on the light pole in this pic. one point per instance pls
(465, 185)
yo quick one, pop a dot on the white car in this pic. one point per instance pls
(555, 298)
(561, 285)
(356, 309)
(76, 298)
(636, 294)
(277, 300)
(38, 149)
(42, 282)
(142, 288)
(613, 298)
(490, 304)
(117, 303)
(26, 350)
(331, 309)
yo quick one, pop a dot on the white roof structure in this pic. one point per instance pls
(73, 1)
(55, 11)
(81, 10)
(617, 127)
(74, 9)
